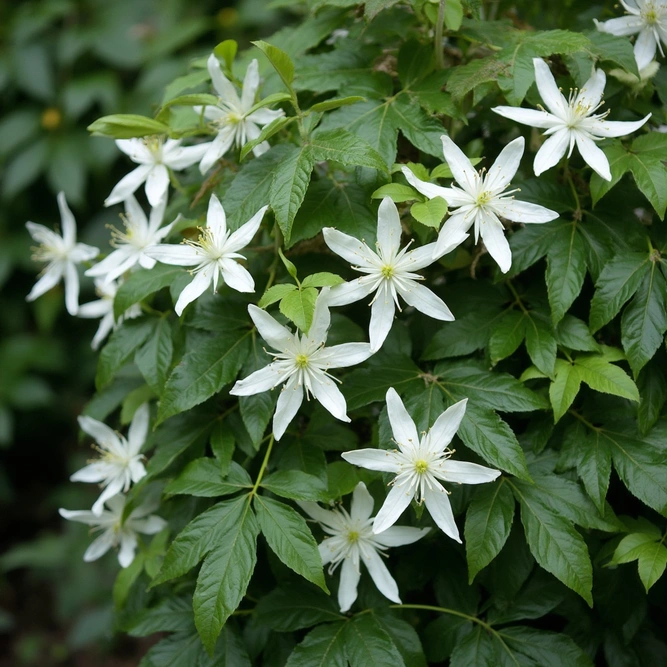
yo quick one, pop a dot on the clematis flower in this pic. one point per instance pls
(116, 531)
(120, 463)
(418, 464)
(131, 245)
(480, 199)
(103, 308)
(570, 122)
(231, 118)
(213, 254)
(389, 272)
(62, 254)
(353, 542)
(648, 19)
(302, 363)
(155, 157)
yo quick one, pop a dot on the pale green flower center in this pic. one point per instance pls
(484, 198)
(650, 16)
(387, 271)
(154, 145)
(206, 244)
(301, 361)
(353, 536)
(421, 466)
(234, 117)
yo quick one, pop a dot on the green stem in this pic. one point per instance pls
(575, 194)
(263, 467)
(274, 265)
(517, 298)
(584, 421)
(445, 610)
(439, 27)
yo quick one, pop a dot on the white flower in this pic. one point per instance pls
(103, 308)
(120, 463)
(301, 363)
(213, 254)
(571, 121)
(353, 542)
(481, 199)
(389, 273)
(646, 17)
(62, 254)
(155, 157)
(131, 245)
(116, 531)
(230, 118)
(419, 464)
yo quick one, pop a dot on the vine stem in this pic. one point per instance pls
(263, 468)
(575, 194)
(439, 26)
(445, 610)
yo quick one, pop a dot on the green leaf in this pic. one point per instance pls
(619, 280)
(322, 647)
(344, 147)
(322, 279)
(169, 615)
(650, 174)
(281, 62)
(566, 269)
(652, 387)
(203, 478)
(368, 645)
(256, 412)
(267, 132)
(565, 387)
(299, 307)
(290, 539)
(507, 335)
(540, 342)
(488, 524)
(203, 372)
(336, 103)
(397, 192)
(143, 283)
(126, 126)
(546, 649)
(121, 346)
(296, 485)
(422, 130)
(478, 647)
(404, 636)
(289, 185)
(573, 333)
(275, 293)
(226, 51)
(222, 445)
(644, 321)
(225, 573)
(296, 607)
(652, 563)
(291, 269)
(125, 580)
(613, 48)
(629, 548)
(430, 212)
(195, 99)
(453, 14)
(557, 547)
(154, 358)
(602, 376)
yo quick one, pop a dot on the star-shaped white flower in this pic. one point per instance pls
(140, 234)
(646, 17)
(570, 122)
(155, 157)
(302, 363)
(389, 273)
(62, 254)
(480, 199)
(213, 254)
(103, 308)
(116, 531)
(353, 542)
(231, 118)
(418, 464)
(120, 462)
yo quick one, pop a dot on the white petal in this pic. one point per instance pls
(157, 184)
(103, 330)
(462, 169)
(395, 504)
(532, 117)
(521, 211)
(244, 234)
(193, 290)
(493, 235)
(128, 184)
(454, 229)
(430, 190)
(591, 93)
(349, 248)
(362, 503)
(549, 92)
(327, 548)
(463, 472)
(326, 518)
(216, 220)
(328, 394)
(551, 151)
(274, 333)
(262, 380)
(426, 302)
(221, 83)
(382, 317)
(67, 221)
(389, 229)
(317, 334)
(645, 48)
(149, 525)
(402, 426)
(83, 516)
(136, 150)
(71, 288)
(250, 86)
(178, 255)
(237, 277)
(437, 503)
(185, 156)
(136, 435)
(347, 589)
(503, 169)
(99, 546)
(594, 156)
(622, 27)
(102, 434)
(128, 545)
(446, 426)
(265, 116)
(397, 536)
(114, 486)
(618, 128)
(348, 354)
(93, 473)
(341, 295)
(82, 253)
(115, 264)
(217, 148)
(421, 257)
(136, 214)
(48, 281)
(288, 405)
(374, 459)
(380, 574)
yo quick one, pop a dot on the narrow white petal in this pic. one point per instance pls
(454, 229)
(402, 426)
(425, 301)
(136, 435)
(446, 426)
(329, 395)
(549, 92)
(463, 472)
(349, 248)
(67, 221)
(382, 317)
(594, 156)
(380, 574)
(503, 169)
(262, 380)
(128, 545)
(157, 184)
(420, 258)
(622, 27)
(178, 255)
(217, 148)
(462, 169)
(341, 295)
(114, 486)
(645, 48)
(99, 431)
(92, 473)
(84, 516)
(221, 83)
(237, 276)
(137, 470)
(374, 459)
(348, 354)
(362, 503)
(389, 229)
(397, 536)
(135, 149)
(82, 253)
(250, 85)
(493, 235)
(617, 128)
(591, 93)
(71, 288)
(216, 220)
(185, 156)
(521, 211)
(99, 546)
(327, 548)
(265, 116)
(288, 405)
(396, 502)
(103, 330)
(149, 525)
(244, 234)
(48, 281)
(274, 333)
(317, 334)
(128, 184)
(325, 517)
(193, 290)
(431, 190)
(533, 117)
(439, 507)
(347, 589)
(551, 151)
(136, 214)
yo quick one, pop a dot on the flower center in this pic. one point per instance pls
(301, 360)
(154, 145)
(387, 271)
(484, 198)
(421, 466)
(353, 536)
(649, 15)
(234, 117)
(206, 244)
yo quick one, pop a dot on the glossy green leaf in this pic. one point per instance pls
(126, 126)
(203, 478)
(322, 647)
(430, 212)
